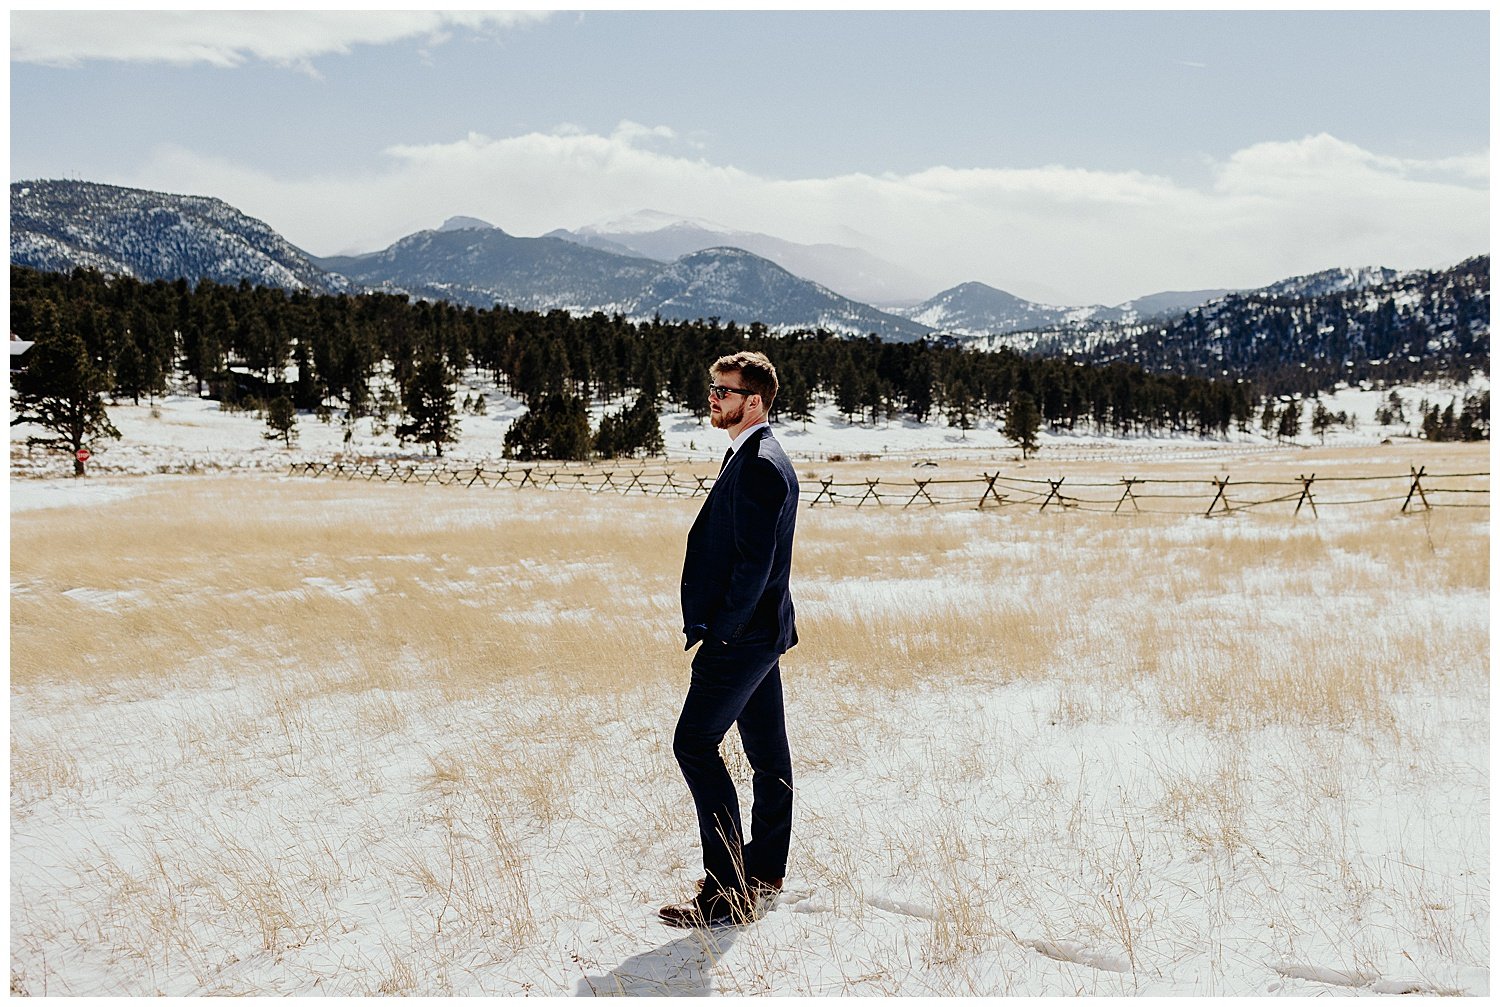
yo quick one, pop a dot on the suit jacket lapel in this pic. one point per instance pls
(750, 442)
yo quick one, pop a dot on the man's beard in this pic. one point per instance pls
(724, 419)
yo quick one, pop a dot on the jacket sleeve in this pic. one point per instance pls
(757, 508)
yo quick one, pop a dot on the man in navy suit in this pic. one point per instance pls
(736, 602)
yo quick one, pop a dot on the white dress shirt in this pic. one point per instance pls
(734, 445)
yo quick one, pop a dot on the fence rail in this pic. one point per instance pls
(1418, 490)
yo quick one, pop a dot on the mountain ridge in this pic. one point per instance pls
(1368, 323)
(61, 225)
(848, 271)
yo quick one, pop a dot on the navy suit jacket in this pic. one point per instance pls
(739, 552)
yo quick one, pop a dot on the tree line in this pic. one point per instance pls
(345, 357)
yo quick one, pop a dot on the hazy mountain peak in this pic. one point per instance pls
(645, 221)
(467, 224)
(852, 272)
(733, 283)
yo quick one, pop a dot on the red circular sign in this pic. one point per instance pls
(84, 454)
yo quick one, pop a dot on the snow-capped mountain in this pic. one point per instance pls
(852, 272)
(466, 224)
(594, 241)
(1415, 325)
(977, 309)
(480, 265)
(1330, 281)
(731, 283)
(472, 262)
(1369, 317)
(60, 225)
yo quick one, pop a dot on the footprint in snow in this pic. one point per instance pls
(1356, 979)
(901, 906)
(798, 900)
(1072, 951)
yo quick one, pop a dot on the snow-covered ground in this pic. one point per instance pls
(1053, 815)
(182, 433)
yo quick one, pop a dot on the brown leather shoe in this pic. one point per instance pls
(765, 886)
(714, 909)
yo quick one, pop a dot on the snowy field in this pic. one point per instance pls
(276, 735)
(182, 433)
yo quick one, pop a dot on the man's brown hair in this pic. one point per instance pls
(755, 370)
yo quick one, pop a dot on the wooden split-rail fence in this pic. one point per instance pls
(1417, 490)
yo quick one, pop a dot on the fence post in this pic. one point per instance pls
(870, 485)
(1307, 482)
(989, 490)
(1056, 493)
(1128, 495)
(1222, 484)
(828, 489)
(921, 485)
(1416, 487)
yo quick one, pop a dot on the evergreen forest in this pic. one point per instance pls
(377, 354)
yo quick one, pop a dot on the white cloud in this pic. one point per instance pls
(230, 38)
(1271, 210)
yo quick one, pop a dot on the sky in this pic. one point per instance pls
(1066, 157)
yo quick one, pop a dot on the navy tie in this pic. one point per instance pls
(728, 454)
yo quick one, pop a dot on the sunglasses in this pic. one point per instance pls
(719, 391)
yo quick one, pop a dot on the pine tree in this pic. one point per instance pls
(645, 426)
(61, 390)
(961, 406)
(917, 390)
(1289, 424)
(849, 388)
(308, 390)
(1322, 419)
(557, 427)
(1474, 421)
(794, 399)
(1432, 422)
(281, 420)
(636, 430)
(1397, 408)
(130, 368)
(429, 403)
(1268, 417)
(1022, 421)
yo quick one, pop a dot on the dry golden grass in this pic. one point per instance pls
(42, 767)
(357, 587)
(370, 588)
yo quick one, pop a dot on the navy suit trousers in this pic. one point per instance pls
(737, 684)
